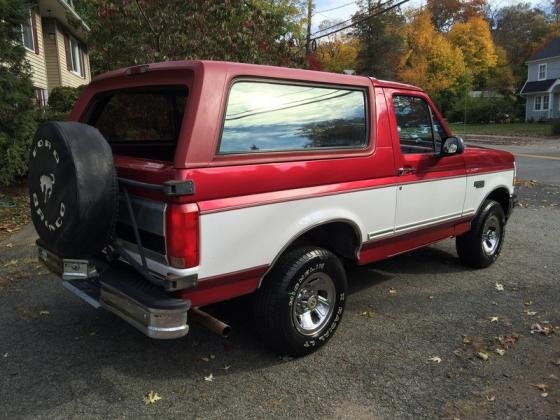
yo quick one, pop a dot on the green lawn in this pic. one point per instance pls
(513, 129)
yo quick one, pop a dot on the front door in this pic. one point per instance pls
(432, 189)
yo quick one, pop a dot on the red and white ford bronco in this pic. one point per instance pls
(177, 185)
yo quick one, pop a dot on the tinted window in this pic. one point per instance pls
(274, 117)
(149, 115)
(414, 124)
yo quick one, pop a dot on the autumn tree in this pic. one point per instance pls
(129, 32)
(429, 60)
(474, 39)
(380, 39)
(445, 13)
(338, 54)
(519, 30)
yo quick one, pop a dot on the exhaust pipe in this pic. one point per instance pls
(211, 323)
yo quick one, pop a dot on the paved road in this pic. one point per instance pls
(60, 358)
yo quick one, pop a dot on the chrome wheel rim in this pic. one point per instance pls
(313, 304)
(491, 235)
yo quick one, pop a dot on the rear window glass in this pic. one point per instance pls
(265, 117)
(148, 115)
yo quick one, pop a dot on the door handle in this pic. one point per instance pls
(406, 170)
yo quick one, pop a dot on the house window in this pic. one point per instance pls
(542, 71)
(41, 97)
(75, 57)
(542, 103)
(545, 102)
(27, 34)
(538, 103)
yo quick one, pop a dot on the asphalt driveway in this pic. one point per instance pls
(60, 358)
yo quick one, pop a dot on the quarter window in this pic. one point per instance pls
(417, 134)
(269, 117)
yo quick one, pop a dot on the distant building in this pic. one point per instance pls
(55, 48)
(542, 88)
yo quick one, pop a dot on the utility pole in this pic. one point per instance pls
(309, 15)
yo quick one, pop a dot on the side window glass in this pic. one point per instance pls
(274, 117)
(414, 124)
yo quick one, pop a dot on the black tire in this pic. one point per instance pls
(73, 189)
(477, 250)
(276, 303)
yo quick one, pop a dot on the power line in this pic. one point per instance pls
(394, 6)
(335, 8)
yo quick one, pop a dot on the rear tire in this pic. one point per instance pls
(481, 246)
(301, 301)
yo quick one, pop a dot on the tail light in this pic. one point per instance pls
(182, 235)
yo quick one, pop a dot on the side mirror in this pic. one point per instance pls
(452, 146)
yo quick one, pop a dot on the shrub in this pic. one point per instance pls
(17, 122)
(484, 110)
(62, 98)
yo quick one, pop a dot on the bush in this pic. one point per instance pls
(17, 114)
(484, 110)
(62, 98)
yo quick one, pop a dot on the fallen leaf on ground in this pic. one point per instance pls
(11, 262)
(482, 355)
(10, 245)
(501, 352)
(368, 314)
(209, 378)
(530, 313)
(44, 312)
(393, 291)
(528, 303)
(151, 397)
(430, 297)
(435, 359)
(510, 340)
(555, 362)
(212, 357)
(553, 376)
(494, 319)
(226, 367)
(490, 397)
(539, 329)
(467, 339)
(5, 354)
(205, 359)
(541, 387)
(544, 394)
(499, 287)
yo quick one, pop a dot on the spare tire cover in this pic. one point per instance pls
(73, 189)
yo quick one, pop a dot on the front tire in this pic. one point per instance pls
(301, 301)
(481, 246)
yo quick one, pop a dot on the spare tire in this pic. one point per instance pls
(73, 189)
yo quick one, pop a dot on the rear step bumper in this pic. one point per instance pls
(143, 305)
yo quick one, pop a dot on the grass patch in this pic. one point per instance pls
(513, 129)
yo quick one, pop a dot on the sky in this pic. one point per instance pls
(323, 12)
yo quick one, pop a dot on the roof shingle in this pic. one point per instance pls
(550, 49)
(539, 86)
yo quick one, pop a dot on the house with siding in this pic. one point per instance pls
(542, 88)
(53, 38)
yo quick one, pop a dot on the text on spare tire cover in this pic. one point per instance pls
(46, 185)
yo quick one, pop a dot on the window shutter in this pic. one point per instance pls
(83, 61)
(34, 31)
(67, 49)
